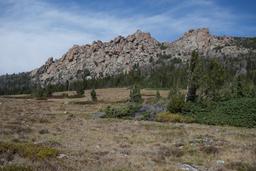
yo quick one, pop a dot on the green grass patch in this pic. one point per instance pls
(171, 117)
(15, 168)
(240, 112)
(121, 111)
(240, 166)
(27, 150)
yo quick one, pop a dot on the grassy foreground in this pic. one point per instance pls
(107, 144)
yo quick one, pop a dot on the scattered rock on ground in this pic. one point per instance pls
(61, 156)
(70, 116)
(220, 162)
(149, 111)
(187, 167)
(98, 114)
(44, 131)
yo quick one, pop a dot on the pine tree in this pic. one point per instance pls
(135, 95)
(93, 95)
(213, 79)
(79, 88)
(194, 68)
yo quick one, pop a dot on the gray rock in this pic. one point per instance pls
(220, 162)
(149, 111)
(43, 131)
(187, 167)
(61, 156)
(98, 114)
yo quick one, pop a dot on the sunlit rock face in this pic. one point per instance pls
(101, 59)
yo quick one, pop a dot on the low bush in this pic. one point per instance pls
(39, 94)
(240, 166)
(80, 92)
(176, 103)
(239, 112)
(28, 150)
(158, 96)
(124, 111)
(93, 95)
(170, 117)
(135, 95)
(15, 168)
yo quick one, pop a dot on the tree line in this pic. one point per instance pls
(201, 75)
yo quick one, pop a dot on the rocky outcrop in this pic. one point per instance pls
(206, 44)
(100, 59)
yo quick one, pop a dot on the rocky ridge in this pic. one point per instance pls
(101, 59)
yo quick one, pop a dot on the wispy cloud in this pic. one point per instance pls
(33, 30)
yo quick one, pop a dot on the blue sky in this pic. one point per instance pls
(33, 30)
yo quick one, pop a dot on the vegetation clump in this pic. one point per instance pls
(27, 150)
(135, 95)
(176, 103)
(241, 166)
(93, 95)
(79, 88)
(123, 111)
(39, 93)
(239, 112)
(158, 96)
(15, 168)
(171, 117)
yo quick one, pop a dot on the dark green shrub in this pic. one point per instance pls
(40, 93)
(27, 150)
(173, 91)
(176, 103)
(93, 95)
(78, 87)
(194, 72)
(135, 95)
(171, 117)
(239, 112)
(48, 92)
(215, 78)
(16, 168)
(80, 91)
(158, 96)
(125, 111)
(243, 87)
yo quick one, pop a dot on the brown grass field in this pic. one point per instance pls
(85, 143)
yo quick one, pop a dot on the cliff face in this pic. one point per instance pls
(100, 59)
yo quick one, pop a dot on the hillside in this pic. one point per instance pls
(112, 64)
(101, 59)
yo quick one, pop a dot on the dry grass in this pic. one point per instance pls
(112, 144)
(171, 117)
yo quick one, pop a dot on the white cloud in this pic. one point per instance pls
(33, 30)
